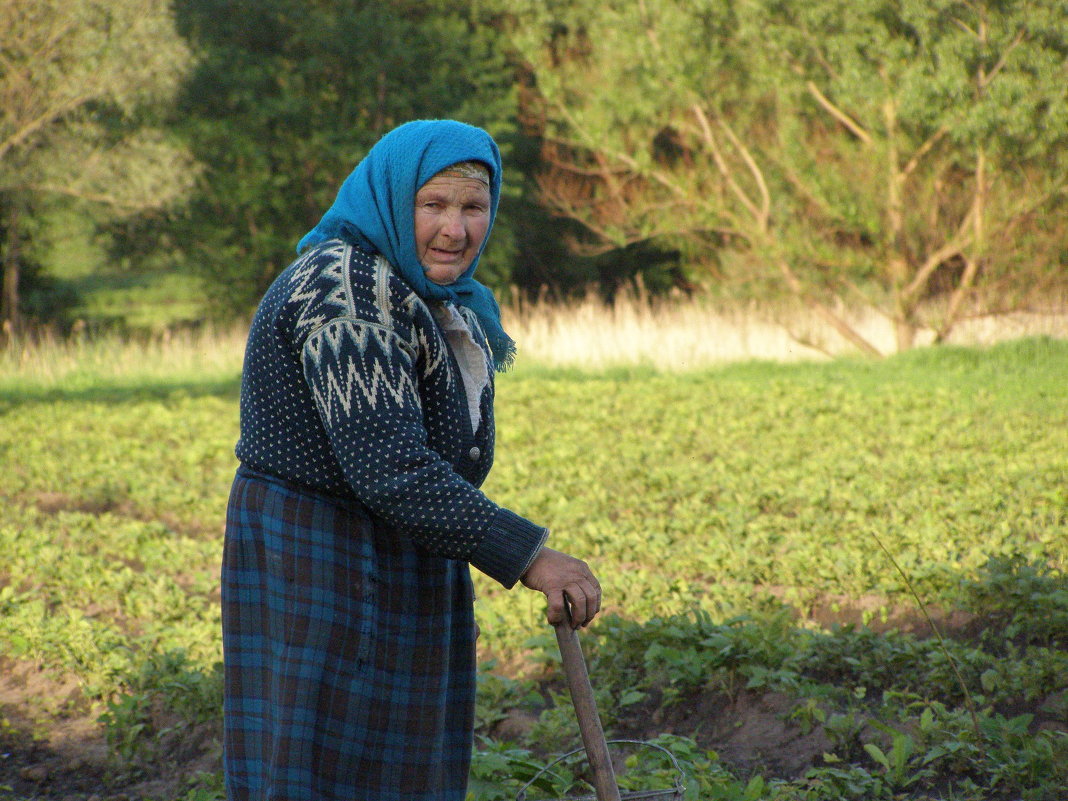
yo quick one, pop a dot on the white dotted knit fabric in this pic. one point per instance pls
(350, 389)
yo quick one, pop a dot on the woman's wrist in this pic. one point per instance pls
(508, 547)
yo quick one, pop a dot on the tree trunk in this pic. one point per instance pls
(904, 334)
(9, 295)
(972, 262)
(898, 269)
(904, 306)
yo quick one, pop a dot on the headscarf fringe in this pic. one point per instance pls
(504, 354)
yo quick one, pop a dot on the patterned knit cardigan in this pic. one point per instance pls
(350, 389)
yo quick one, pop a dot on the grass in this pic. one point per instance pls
(677, 333)
(731, 512)
(107, 292)
(46, 360)
(635, 331)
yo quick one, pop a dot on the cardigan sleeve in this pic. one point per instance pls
(362, 376)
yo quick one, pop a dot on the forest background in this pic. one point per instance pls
(827, 581)
(158, 160)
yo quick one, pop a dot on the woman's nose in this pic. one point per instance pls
(453, 225)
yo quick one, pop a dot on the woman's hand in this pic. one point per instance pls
(564, 579)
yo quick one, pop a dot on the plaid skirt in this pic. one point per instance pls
(349, 654)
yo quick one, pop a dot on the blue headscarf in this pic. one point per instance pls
(375, 209)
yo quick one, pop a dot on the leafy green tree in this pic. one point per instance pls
(287, 96)
(554, 256)
(78, 79)
(886, 151)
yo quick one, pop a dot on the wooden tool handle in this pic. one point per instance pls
(578, 681)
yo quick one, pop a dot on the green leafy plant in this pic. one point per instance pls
(726, 559)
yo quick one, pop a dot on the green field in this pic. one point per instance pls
(765, 535)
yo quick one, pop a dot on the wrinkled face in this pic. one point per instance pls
(452, 216)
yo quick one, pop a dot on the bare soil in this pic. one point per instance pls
(53, 746)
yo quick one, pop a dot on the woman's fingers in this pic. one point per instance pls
(593, 597)
(565, 581)
(579, 604)
(574, 604)
(584, 598)
(556, 612)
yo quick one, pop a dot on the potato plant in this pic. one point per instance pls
(772, 540)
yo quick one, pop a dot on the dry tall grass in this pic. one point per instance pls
(669, 334)
(680, 333)
(47, 359)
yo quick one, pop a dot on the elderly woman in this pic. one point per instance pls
(366, 431)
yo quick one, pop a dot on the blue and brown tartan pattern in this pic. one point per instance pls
(349, 654)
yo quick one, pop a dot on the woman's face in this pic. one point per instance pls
(452, 216)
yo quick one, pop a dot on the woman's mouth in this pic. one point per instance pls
(445, 254)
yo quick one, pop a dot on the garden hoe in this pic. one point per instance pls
(604, 780)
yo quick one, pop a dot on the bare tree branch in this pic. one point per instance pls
(657, 175)
(949, 319)
(923, 150)
(50, 115)
(986, 79)
(113, 201)
(650, 28)
(956, 243)
(725, 170)
(820, 58)
(832, 319)
(854, 126)
(964, 26)
(574, 169)
(757, 173)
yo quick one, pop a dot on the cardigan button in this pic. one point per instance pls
(474, 453)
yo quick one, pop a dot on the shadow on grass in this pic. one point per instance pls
(121, 391)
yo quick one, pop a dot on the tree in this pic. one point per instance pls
(78, 80)
(880, 150)
(286, 98)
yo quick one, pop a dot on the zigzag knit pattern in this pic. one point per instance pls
(350, 389)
